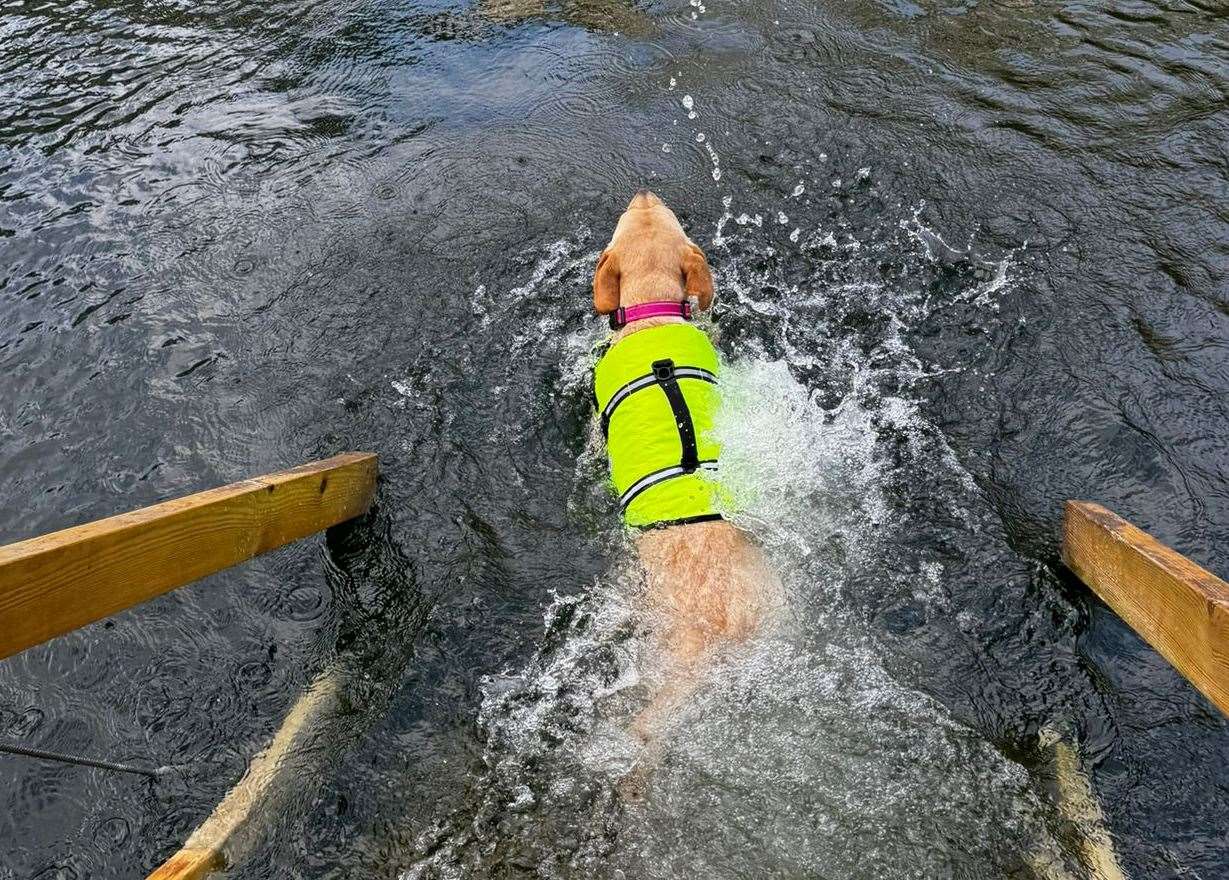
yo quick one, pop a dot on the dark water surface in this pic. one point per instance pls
(976, 252)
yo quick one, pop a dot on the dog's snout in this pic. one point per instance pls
(643, 199)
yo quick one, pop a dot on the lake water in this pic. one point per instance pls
(971, 262)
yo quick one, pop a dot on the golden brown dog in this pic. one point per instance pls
(707, 580)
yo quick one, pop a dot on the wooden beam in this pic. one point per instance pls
(1084, 820)
(272, 780)
(55, 583)
(189, 864)
(1180, 609)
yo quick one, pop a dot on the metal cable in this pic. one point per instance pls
(28, 752)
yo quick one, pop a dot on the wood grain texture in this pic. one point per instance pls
(55, 583)
(1179, 608)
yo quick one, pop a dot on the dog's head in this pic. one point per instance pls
(649, 259)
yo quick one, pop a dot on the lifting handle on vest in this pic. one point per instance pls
(663, 372)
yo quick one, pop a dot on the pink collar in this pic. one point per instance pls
(621, 317)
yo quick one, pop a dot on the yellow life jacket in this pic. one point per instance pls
(656, 395)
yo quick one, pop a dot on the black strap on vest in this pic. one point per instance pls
(648, 380)
(663, 372)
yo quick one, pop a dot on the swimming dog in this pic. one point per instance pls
(656, 392)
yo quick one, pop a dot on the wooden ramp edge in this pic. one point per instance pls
(189, 864)
(55, 583)
(1179, 608)
(271, 780)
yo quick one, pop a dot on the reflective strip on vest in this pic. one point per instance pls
(643, 387)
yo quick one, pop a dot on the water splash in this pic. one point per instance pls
(801, 755)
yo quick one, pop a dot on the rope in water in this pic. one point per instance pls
(28, 752)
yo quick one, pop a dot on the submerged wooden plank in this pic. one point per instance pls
(1179, 608)
(55, 583)
(189, 864)
(1085, 832)
(271, 781)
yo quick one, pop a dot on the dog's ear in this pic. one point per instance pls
(606, 283)
(697, 279)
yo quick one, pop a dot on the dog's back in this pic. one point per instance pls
(711, 582)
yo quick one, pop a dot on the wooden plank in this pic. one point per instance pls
(54, 583)
(271, 781)
(1079, 806)
(189, 865)
(1179, 608)
(1085, 830)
